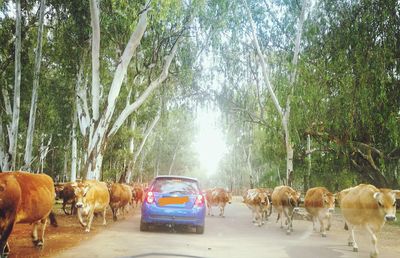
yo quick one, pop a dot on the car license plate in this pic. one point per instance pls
(173, 200)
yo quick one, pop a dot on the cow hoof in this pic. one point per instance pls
(350, 243)
(288, 232)
(38, 244)
(87, 230)
(373, 255)
(323, 235)
(355, 249)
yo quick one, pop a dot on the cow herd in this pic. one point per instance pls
(29, 198)
(362, 206)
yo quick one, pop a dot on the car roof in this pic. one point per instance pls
(172, 176)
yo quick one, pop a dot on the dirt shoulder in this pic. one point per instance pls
(69, 233)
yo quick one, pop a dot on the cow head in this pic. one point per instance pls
(329, 201)
(294, 200)
(80, 194)
(386, 200)
(263, 196)
(229, 196)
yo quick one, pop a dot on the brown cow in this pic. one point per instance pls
(368, 207)
(91, 196)
(320, 203)
(258, 202)
(137, 194)
(217, 197)
(285, 200)
(120, 196)
(67, 194)
(267, 212)
(25, 198)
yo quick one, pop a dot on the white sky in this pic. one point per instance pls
(210, 144)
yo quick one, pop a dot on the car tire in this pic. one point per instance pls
(199, 229)
(144, 226)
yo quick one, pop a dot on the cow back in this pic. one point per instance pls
(97, 195)
(284, 196)
(120, 195)
(36, 198)
(315, 197)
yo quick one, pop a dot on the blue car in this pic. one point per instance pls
(173, 200)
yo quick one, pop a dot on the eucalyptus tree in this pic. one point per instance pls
(8, 157)
(351, 76)
(283, 113)
(32, 115)
(100, 127)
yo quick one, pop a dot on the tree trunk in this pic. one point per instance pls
(144, 140)
(95, 23)
(284, 114)
(13, 137)
(74, 146)
(36, 74)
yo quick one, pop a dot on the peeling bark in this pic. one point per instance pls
(13, 137)
(284, 114)
(36, 75)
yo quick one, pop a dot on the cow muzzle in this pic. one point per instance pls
(296, 209)
(79, 205)
(390, 218)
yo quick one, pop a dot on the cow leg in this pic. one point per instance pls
(6, 251)
(279, 217)
(4, 247)
(262, 216)
(314, 223)
(352, 241)
(373, 254)
(41, 241)
(322, 226)
(222, 210)
(63, 207)
(329, 220)
(79, 212)
(254, 215)
(114, 212)
(288, 221)
(104, 217)
(90, 219)
(35, 238)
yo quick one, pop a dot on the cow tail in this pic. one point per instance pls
(53, 220)
(345, 226)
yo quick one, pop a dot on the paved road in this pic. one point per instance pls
(232, 236)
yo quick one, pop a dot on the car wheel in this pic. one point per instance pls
(199, 229)
(144, 226)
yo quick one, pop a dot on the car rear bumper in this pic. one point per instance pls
(154, 215)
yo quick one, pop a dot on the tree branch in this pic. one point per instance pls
(149, 90)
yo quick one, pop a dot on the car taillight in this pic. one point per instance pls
(150, 197)
(199, 200)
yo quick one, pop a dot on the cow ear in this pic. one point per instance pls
(85, 190)
(396, 194)
(376, 195)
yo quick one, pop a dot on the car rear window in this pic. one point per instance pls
(175, 185)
